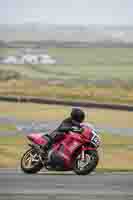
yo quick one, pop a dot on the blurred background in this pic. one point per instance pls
(69, 50)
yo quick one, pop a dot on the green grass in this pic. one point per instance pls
(8, 51)
(102, 56)
(84, 93)
(7, 127)
(100, 74)
(82, 64)
(77, 74)
(11, 148)
(12, 140)
(43, 112)
(116, 153)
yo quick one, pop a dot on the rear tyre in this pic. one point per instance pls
(30, 162)
(87, 166)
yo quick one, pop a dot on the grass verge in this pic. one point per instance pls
(116, 153)
(116, 94)
(43, 112)
(7, 127)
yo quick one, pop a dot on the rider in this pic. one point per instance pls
(72, 123)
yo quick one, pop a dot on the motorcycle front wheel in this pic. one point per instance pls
(88, 165)
(30, 162)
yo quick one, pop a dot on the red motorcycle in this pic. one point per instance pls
(73, 152)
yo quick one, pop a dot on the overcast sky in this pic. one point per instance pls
(116, 12)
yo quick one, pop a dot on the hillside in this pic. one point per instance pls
(66, 33)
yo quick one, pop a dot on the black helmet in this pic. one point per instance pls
(77, 115)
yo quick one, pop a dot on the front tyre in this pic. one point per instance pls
(88, 165)
(30, 162)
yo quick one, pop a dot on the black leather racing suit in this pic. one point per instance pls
(66, 126)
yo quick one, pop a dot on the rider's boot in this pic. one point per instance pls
(46, 147)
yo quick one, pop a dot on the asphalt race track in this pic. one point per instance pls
(14, 185)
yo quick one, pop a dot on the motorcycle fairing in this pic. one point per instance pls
(38, 138)
(66, 148)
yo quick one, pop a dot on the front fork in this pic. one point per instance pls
(83, 153)
(83, 149)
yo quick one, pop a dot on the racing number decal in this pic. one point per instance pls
(95, 139)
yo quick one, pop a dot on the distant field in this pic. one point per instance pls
(102, 74)
(86, 56)
(81, 65)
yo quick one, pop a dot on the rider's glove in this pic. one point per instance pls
(76, 129)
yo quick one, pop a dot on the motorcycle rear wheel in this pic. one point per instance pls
(30, 162)
(90, 166)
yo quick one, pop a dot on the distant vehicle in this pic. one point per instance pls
(28, 59)
(46, 59)
(10, 60)
(74, 151)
